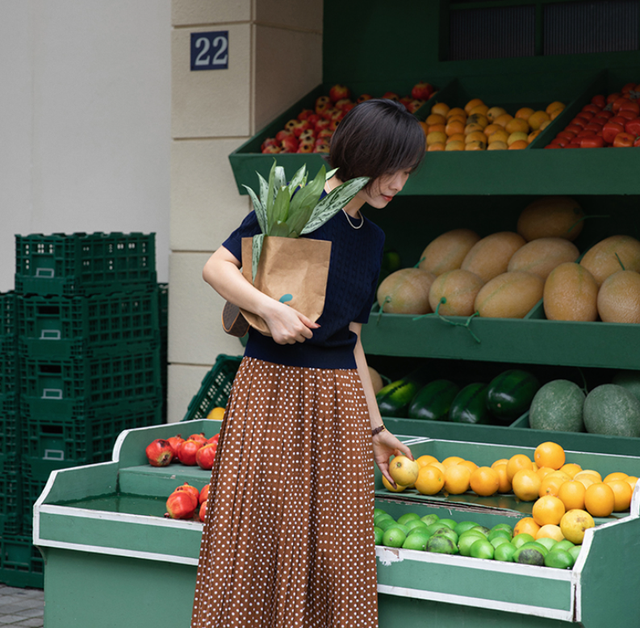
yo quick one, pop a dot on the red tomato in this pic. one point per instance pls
(630, 105)
(592, 142)
(581, 122)
(586, 115)
(633, 127)
(592, 108)
(573, 145)
(603, 115)
(627, 115)
(623, 140)
(637, 142)
(567, 135)
(599, 100)
(593, 126)
(617, 104)
(574, 128)
(560, 141)
(619, 120)
(553, 146)
(610, 130)
(612, 97)
(629, 87)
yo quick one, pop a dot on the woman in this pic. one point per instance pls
(288, 537)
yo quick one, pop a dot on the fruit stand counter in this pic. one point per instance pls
(111, 556)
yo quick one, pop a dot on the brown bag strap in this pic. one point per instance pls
(233, 322)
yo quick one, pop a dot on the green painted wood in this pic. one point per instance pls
(81, 482)
(105, 591)
(160, 481)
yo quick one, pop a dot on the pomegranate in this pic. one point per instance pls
(204, 494)
(180, 505)
(175, 442)
(214, 439)
(203, 511)
(193, 492)
(199, 437)
(187, 452)
(206, 455)
(159, 453)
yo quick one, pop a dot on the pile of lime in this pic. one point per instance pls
(468, 538)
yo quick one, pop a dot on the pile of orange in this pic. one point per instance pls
(476, 126)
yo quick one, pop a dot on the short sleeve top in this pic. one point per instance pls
(354, 268)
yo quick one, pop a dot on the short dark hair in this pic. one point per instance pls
(375, 138)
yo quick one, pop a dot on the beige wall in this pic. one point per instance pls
(275, 57)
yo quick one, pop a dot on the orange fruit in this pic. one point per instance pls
(621, 494)
(403, 470)
(532, 136)
(491, 128)
(474, 102)
(440, 466)
(517, 124)
(586, 480)
(426, 459)
(526, 526)
(497, 145)
(559, 474)
(571, 468)
(430, 480)
(556, 105)
(475, 145)
(536, 119)
(599, 499)
(619, 297)
(548, 509)
(517, 462)
(500, 461)
(478, 118)
(440, 128)
(398, 488)
(476, 136)
(505, 485)
(550, 485)
(455, 111)
(457, 479)
(484, 481)
(495, 112)
(525, 484)
(503, 119)
(436, 118)
(535, 467)
(425, 127)
(518, 144)
(451, 461)
(436, 137)
(591, 472)
(571, 494)
(574, 523)
(440, 108)
(543, 471)
(550, 531)
(454, 145)
(616, 475)
(524, 113)
(549, 454)
(454, 127)
(481, 109)
(472, 128)
(435, 147)
(632, 481)
(456, 137)
(472, 466)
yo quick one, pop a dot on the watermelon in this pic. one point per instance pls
(433, 401)
(470, 405)
(557, 406)
(510, 393)
(612, 410)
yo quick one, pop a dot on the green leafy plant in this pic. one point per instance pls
(295, 208)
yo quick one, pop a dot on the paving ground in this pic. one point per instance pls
(21, 607)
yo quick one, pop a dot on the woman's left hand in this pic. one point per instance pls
(385, 445)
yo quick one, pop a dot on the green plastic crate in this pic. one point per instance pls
(21, 564)
(62, 327)
(83, 264)
(10, 495)
(7, 314)
(215, 388)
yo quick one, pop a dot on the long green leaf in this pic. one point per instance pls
(261, 214)
(281, 206)
(281, 229)
(331, 204)
(271, 196)
(256, 252)
(281, 177)
(264, 189)
(298, 178)
(330, 173)
(303, 202)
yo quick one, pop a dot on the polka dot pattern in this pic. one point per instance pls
(288, 540)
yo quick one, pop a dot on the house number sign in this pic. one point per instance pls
(210, 51)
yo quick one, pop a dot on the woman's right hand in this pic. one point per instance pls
(288, 326)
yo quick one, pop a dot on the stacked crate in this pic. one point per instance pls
(89, 355)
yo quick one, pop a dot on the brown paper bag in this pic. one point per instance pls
(291, 270)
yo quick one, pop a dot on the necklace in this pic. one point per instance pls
(349, 220)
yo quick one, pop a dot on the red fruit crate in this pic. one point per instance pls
(77, 327)
(21, 564)
(83, 264)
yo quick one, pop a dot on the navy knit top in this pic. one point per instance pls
(356, 255)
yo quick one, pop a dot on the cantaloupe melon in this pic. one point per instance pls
(557, 406)
(490, 256)
(448, 251)
(613, 411)
(376, 380)
(541, 256)
(619, 298)
(570, 294)
(601, 260)
(406, 291)
(459, 288)
(510, 295)
(629, 380)
(551, 217)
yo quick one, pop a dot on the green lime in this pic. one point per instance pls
(497, 541)
(529, 556)
(520, 539)
(379, 511)
(394, 537)
(565, 544)
(466, 541)
(434, 527)
(574, 551)
(400, 526)
(408, 517)
(415, 524)
(503, 526)
(463, 526)
(378, 533)
(448, 532)
(504, 552)
(378, 518)
(449, 523)
(429, 519)
(559, 558)
(496, 533)
(385, 524)
(547, 542)
(482, 549)
(482, 529)
(441, 544)
(416, 541)
(536, 546)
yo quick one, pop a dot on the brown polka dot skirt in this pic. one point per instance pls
(288, 537)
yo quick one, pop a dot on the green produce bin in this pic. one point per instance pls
(111, 558)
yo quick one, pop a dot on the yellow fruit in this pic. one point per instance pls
(621, 494)
(504, 485)
(440, 466)
(526, 526)
(436, 137)
(489, 257)
(592, 472)
(632, 480)
(475, 145)
(543, 471)
(571, 494)
(549, 454)
(502, 120)
(430, 480)
(395, 489)
(456, 137)
(457, 479)
(484, 481)
(403, 470)
(517, 125)
(455, 127)
(474, 128)
(570, 294)
(536, 119)
(217, 414)
(574, 523)
(440, 108)
(436, 147)
(532, 136)
(551, 217)
(524, 113)
(475, 136)
(586, 481)
(472, 466)
(406, 291)
(451, 461)
(478, 118)
(509, 295)
(560, 474)
(500, 461)
(526, 485)
(454, 111)
(616, 475)
(518, 144)
(499, 135)
(556, 105)
(550, 485)
(447, 251)
(498, 145)
(550, 531)
(548, 509)
(459, 288)
(541, 256)
(495, 112)
(601, 260)
(426, 459)
(517, 136)
(435, 118)
(619, 298)
(481, 109)
(571, 468)
(455, 145)
(599, 499)
(517, 462)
